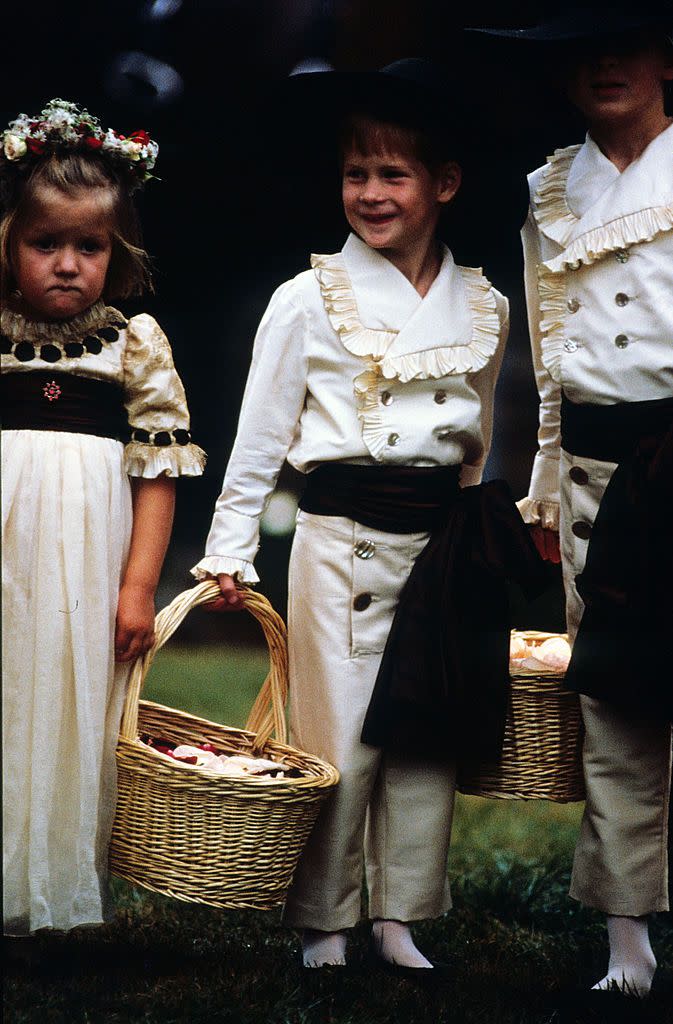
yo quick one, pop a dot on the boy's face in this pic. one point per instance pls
(393, 201)
(619, 79)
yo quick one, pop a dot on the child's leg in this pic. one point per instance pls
(407, 845)
(336, 640)
(621, 857)
(621, 860)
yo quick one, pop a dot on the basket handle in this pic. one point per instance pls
(268, 711)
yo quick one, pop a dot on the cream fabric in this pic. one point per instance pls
(598, 248)
(397, 809)
(140, 361)
(350, 364)
(66, 527)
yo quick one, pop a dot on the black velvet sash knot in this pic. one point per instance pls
(443, 683)
(622, 650)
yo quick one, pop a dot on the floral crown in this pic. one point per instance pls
(65, 126)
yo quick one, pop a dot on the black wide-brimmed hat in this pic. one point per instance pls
(587, 23)
(412, 91)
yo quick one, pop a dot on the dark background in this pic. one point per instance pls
(249, 185)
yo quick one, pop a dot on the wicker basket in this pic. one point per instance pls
(198, 836)
(542, 752)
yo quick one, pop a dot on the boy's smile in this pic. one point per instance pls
(393, 201)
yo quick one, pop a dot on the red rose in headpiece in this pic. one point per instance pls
(36, 146)
(141, 137)
(92, 143)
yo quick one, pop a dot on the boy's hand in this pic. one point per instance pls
(547, 543)
(134, 631)
(231, 600)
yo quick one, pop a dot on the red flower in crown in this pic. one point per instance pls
(92, 143)
(140, 136)
(36, 146)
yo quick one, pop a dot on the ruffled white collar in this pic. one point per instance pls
(589, 209)
(379, 314)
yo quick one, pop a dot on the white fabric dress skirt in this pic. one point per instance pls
(66, 522)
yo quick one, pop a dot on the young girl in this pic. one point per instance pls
(89, 400)
(599, 278)
(373, 373)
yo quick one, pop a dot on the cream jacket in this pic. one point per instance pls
(350, 364)
(598, 248)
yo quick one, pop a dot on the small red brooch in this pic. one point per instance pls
(51, 391)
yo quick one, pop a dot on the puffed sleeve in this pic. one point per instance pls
(156, 405)
(273, 402)
(541, 506)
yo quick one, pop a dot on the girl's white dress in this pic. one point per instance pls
(66, 527)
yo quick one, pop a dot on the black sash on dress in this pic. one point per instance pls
(44, 400)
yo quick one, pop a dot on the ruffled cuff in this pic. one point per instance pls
(539, 513)
(212, 565)
(150, 461)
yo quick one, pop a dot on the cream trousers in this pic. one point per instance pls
(621, 859)
(390, 817)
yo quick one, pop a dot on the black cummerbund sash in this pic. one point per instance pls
(608, 433)
(395, 499)
(62, 401)
(443, 682)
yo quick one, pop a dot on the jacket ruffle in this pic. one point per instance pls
(557, 221)
(372, 344)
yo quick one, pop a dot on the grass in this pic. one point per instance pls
(514, 942)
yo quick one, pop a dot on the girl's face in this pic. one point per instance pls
(61, 252)
(393, 201)
(619, 79)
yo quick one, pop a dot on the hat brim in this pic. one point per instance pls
(591, 25)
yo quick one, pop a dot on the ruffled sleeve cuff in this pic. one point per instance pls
(213, 565)
(539, 513)
(151, 460)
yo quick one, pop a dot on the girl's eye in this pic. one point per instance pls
(90, 246)
(45, 243)
(353, 175)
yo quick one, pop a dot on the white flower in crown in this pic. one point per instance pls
(14, 146)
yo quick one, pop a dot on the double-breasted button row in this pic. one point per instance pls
(578, 475)
(361, 602)
(581, 529)
(365, 548)
(387, 398)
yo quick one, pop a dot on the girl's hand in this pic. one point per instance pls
(547, 543)
(231, 600)
(134, 632)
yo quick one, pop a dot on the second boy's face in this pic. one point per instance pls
(392, 201)
(619, 79)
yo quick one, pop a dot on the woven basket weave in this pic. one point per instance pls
(542, 752)
(201, 837)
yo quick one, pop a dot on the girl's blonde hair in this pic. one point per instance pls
(129, 271)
